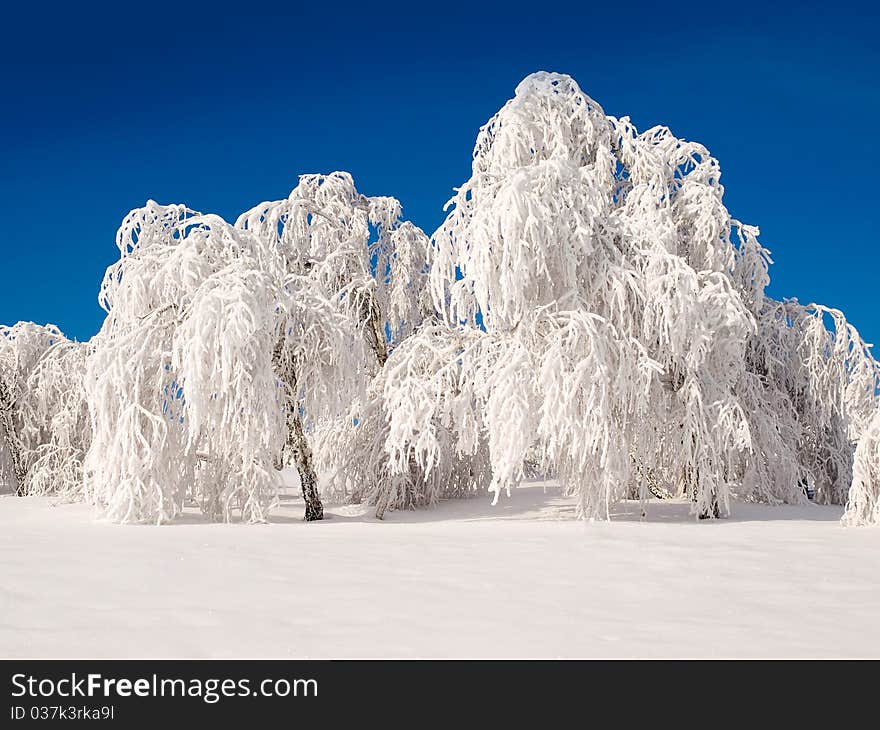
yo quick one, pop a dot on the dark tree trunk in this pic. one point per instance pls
(715, 511)
(302, 457)
(10, 437)
(707, 513)
(296, 447)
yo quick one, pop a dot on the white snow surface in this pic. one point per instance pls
(465, 579)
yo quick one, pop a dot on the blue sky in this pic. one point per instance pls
(108, 105)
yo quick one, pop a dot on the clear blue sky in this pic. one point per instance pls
(107, 105)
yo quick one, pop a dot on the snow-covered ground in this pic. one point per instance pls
(523, 579)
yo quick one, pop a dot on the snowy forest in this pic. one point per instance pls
(588, 311)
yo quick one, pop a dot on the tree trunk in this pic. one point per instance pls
(296, 448)
(707, 513)
(375, 333)
(302, 457)
(10, 437)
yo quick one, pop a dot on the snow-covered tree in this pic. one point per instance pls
(863, 501)
(225, 345)
(584, 278)
(184, 395)
(603, 309)
(358, 253)
(44, 426)
(809, 390)
(357, 453)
